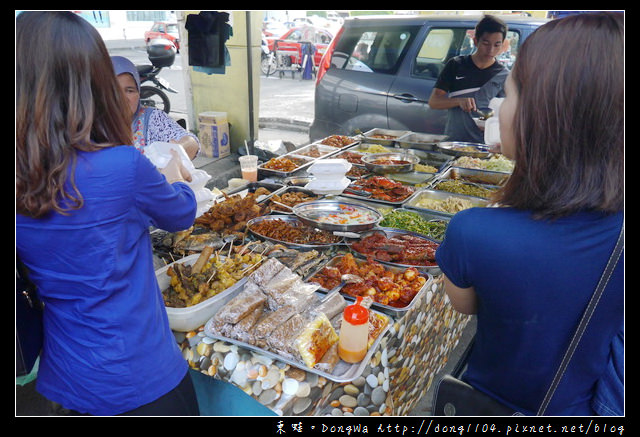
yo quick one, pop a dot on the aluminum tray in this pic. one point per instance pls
(251, 187)
(392, 311)
(408, 160)
(451, 148)
(441, 195)
(436, 159)
(396, 134)
(291, 219)
(305, 162)
(420, 141)
(393, 232)
(342, 373)
(482, 177)
(311, 212)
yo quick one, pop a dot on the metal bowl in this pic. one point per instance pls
(456, 148)
(408, 162)
(316, 213)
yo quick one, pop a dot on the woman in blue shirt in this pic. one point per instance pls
(529, 267)
(85, 199)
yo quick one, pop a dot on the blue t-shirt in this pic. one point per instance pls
(108, 346)
(533, 280)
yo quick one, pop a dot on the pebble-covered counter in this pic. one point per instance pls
(413, 351)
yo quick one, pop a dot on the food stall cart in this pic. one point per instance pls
(419, 338)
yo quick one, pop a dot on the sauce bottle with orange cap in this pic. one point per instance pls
(354, 333)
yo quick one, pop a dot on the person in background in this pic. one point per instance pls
(85, 199)
(529, 267)
(469, 82)
(150, 124)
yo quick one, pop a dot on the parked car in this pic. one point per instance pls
(379, 72)
(291, 42)
(162, 29)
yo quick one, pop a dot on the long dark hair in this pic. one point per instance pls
(569, 124)
(67, 99)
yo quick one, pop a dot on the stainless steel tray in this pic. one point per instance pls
(342, 373)
(457, 148)
(290, 219)
(392, 311)
(396, 134)
(351, 141)
(408, 162)
(441, 195)
(323, 151)
(290, 189)
(421, 141)
(304, 163)
(313, 213)
(353, 191)
(427, 216)
(483, 177)
(393, 232)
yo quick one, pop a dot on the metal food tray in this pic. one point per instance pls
(390, 233)
(290, 189)
(343, 372)
(433, 185)
(482, 177)
(368, 136)
(420, 141)
(253, 186)
(310, 213)
(306, 162)
(392, 311)
(429, 216)
(449, 147)
(441, 195)
(370, 164)
(354, 192)
(351, 144)
(291, 219)
(436, 159)
(325, 151)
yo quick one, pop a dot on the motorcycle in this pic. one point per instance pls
(161, 53)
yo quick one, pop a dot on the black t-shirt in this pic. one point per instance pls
(461, 78)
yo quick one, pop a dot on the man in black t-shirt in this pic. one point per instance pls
(470, 82)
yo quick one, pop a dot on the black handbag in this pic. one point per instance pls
(29, 330)
(453, 397)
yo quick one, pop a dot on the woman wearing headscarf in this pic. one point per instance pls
(150, 124)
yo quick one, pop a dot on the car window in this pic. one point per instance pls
(441, 44)
(378, 50)
(296, 35)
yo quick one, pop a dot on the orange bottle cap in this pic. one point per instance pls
(356, 314)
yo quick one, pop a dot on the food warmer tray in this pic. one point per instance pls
(354, 142)
(291, 219)
(424, 214)
(291, 189)
(324, 151)
(396, 134)
(393, 232)
(458, 148)
(343, 372)
(392, 311)
(310, 213)
(420, 141)
(441, 195)
(253, 186)
(409, 161)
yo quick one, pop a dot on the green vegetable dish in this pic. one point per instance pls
(412, 221)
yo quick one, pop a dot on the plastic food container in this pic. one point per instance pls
(190, 318)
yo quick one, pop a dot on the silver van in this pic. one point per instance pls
(378, 72)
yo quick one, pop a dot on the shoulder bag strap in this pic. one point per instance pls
(602, 284)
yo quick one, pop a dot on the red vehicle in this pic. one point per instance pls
(290, 42)
(161, 29)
